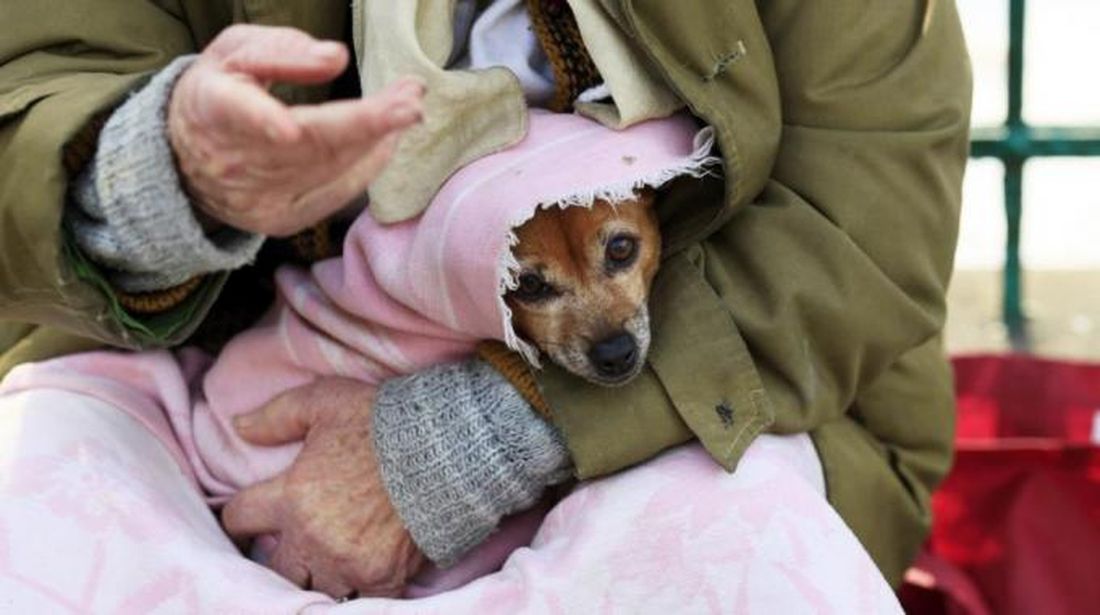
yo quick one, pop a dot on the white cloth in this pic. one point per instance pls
(502, 36)
(472, 113)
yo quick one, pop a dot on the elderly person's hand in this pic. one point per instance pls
(337, 530)
(258, 165)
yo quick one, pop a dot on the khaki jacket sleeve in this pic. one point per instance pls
(63, 67)
(817, 306)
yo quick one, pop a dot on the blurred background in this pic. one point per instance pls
(1016, 526)
(1054, 110)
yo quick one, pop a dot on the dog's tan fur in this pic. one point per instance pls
(568, 249)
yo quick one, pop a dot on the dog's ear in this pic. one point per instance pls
(646, 197)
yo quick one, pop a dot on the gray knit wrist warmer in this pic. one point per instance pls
(459, 448)
(131, 214)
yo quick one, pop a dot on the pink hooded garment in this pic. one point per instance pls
(402, 297)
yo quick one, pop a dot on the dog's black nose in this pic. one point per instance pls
(614, 356)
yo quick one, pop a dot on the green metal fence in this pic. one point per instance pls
(1013, 144)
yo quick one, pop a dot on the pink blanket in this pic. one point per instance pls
(95, 517)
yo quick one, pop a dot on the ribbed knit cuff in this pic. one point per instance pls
(131, 213)
(459, 448)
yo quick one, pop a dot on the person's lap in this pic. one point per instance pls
(96, 515)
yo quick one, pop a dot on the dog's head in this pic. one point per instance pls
(583, 285)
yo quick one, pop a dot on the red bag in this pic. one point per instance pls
(1017, 522)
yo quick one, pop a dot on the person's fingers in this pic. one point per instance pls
(321, 194)
(253, 510)
(237, 106)
(287, 418)
(269, 54)
(321, 161)
(331, 194)
(323, 201)
(287, 561)
(328, 582)
(390, 579)
(370, 166)
(348, 125)
(407, 86)
(273, 60)
(389, 588)
(344, 123)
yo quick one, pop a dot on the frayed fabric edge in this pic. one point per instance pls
(699, 164)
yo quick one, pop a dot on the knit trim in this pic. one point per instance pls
(81, 149)
(158, 301)
(314, 244)
(558, 34)
(517, 372)
(133, 216)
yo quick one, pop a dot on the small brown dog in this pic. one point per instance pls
(584, 283)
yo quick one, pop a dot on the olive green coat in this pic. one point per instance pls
(804, 294)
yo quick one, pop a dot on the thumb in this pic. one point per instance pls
(287, 418)
(254, 510)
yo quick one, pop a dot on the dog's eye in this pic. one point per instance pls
(621, 251)
(532, 287)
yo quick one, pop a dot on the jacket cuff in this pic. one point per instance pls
(131, 213)
(679, 396)
(459, 448)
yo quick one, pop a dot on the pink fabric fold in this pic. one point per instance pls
(402, 297)
(95, 518)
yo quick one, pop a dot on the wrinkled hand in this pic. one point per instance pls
(252, 162)
(337, 530)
